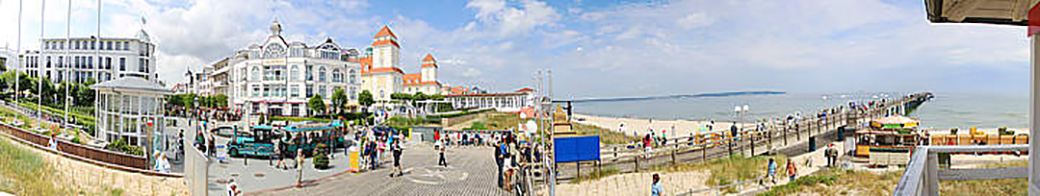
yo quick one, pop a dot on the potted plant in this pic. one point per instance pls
(321, 160)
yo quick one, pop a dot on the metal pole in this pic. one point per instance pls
(97, 72)
(68, 66)
(39, 74)
(18, 58)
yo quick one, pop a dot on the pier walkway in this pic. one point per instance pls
(780, 138)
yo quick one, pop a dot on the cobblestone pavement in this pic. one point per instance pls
(471, 171)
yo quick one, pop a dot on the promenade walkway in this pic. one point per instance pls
(471, 171)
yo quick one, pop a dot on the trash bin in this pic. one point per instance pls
(841, 134)
(353, 159)
(812, 143)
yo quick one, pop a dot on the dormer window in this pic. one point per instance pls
(274, 51)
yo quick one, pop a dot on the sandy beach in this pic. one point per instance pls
(639, 126)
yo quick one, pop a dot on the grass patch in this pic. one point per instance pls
(841, 182)
(606, 136)
(988, 187)
(597, 174)
(25, 173)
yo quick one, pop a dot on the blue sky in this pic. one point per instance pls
(595, 48)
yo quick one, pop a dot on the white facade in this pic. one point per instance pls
(503, 102)
(112, 58)
(131, 109)
(278, 77)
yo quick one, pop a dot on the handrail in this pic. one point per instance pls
(922, 174)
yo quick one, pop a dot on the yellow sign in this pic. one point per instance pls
(274, 61)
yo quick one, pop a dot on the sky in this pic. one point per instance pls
(603, 48)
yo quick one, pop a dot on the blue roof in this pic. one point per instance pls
(262, 127)
(315, 128)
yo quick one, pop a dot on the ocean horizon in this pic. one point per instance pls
(947, 110)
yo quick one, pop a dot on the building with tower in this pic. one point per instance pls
(382, 74)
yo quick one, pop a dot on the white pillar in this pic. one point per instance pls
(1034, 117)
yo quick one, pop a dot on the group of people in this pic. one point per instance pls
(790, 170)
(512, 155)
(374, 144)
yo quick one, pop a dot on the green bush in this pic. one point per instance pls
(321, 160)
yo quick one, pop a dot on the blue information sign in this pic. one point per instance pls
(581, 148)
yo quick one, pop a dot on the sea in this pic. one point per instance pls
(945, 111)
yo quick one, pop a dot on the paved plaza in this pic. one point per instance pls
(471, 171)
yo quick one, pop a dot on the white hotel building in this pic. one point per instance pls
(278, 77)
(112, 58)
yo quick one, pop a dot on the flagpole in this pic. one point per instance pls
(67, 66)
(19, 57)
(97, 73)
(39, 74)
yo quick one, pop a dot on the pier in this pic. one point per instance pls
(776, 138)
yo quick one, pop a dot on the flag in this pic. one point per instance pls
(143, 21)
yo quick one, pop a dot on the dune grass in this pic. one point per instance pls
(849, 182)
(26, 173)
(606, 136)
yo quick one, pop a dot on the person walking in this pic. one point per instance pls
(499, 156)
(278, 154)
(232, 188)
(442, 161)
(395, 150)
(212, 146)
(299, 167)
(655, 187)
(646, 145)
(832, 155)
(771, 171)
(792, 170)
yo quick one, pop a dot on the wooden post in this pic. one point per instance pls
(797, 132)
(785, 134)
(637, 162)
(579, 170)
(752, 145)
(704, 153)
(673, 155)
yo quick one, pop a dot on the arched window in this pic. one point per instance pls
(256, 73)
(321, 74)
(352, 93)
(294, 73)
(337, 76)
(353, 76)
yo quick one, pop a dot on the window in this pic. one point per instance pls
(93, 45)
(256, 73)
(108, 62)
(256, 90)
(294, 73)
(274, 51)
(108, 45)
(353, 76)
(122, 63)
(321, 74)
(310, 90)
(267, 91)
(321, 90)
(337, 76)
(126, 45)
(119, 45)
(61, 61)
(352, 93)
(90, 62)
(48, 62)
(310, 77)
(294, 91)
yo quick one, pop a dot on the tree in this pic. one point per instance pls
(420, 96)
(365, 98)
(219, 100)
(339, 101)
(316, 104)
(401, 96)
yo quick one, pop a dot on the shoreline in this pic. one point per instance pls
(636, 126)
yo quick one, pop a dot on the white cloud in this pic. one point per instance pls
(514, 20)
(695, 20)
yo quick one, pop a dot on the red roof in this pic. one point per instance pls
(385, 42)
(385, 32)
(525, 90)
(412, 78)
(384, 70)
(429, 57)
